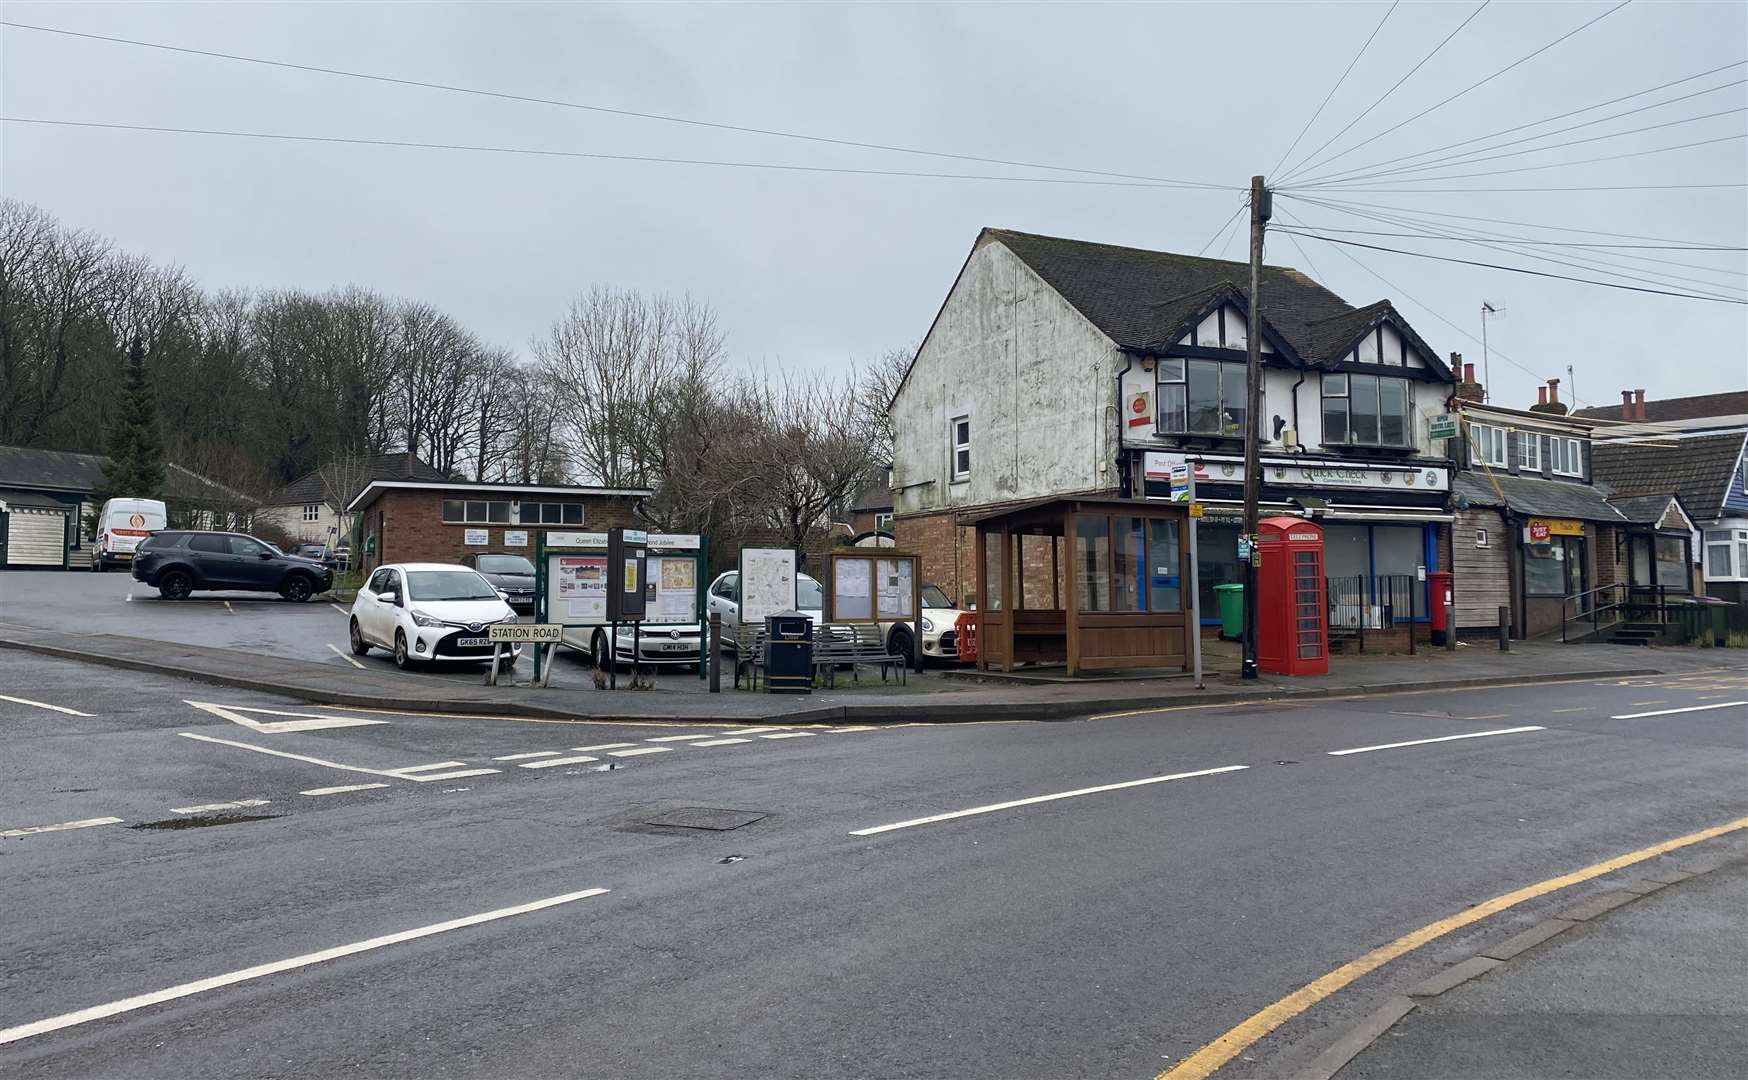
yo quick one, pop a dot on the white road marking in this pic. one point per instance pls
(788, 735)
(42, 705)
(641, 750)
(1035, 799)
(676, 738)
(844, 730)
(1441, 738)
(349, 659)
(294, 757)
(304, 721)
(340, 609)
(604, 746)
(210, 807)
(410, 769)
(129, 598)
(341, 790)
(720, 742)
(550, 762)
(754, 730)
(215, 982)
(425, 778)
(1671, 712)
(229, 608)
(525, 757)
(62, 827)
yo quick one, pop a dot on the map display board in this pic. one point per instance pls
(672, 593)
(579, 587)
(767, 583)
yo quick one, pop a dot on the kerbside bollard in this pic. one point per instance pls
(1450, 625)
(1504, 628)
(715, 646)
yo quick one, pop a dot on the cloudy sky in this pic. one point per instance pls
(820, 269)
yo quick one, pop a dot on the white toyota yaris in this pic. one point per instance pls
(429, 611)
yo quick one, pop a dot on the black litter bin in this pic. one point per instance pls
(788, 653)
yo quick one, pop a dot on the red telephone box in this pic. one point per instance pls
(1292, 628)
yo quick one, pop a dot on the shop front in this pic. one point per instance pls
(1555, 570)
(1384, 527)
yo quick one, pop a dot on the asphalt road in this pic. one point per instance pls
(1108, 933)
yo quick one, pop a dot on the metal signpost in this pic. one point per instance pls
(504, 634)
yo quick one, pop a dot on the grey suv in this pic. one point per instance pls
(177, 563)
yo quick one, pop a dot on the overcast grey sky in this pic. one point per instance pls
(818, 269)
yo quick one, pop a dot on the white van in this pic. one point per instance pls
(120, 526)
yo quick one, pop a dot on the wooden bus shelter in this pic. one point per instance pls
(1091, 584)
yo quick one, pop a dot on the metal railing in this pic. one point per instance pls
(1361, 602)
(1608, 606)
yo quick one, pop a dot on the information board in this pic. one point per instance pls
(672, 594)
(896, 578)
(870, 587)
(767, 583)
(853, 586)
(579, 587)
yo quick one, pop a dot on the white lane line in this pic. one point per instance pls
(435, 765)
(1672, 712)
(604, 746)
(1441, 738)
(425, 778)
(720, 742)
(788, 735)
(525, 757)
(62, 827)
(349, 659)
(42, 705)
(992, 807)
(209, 807)
(845, 730)
(129, 598)
(301, 721)
(341, 790)
(215, 982)
(641, 750)
(754, 730)
(676, 738)
(294, 757)
(550, 762)
(340, 609)
(229, 608)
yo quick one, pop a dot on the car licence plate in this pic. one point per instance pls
(472, 642)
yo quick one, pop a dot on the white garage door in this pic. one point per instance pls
(35, 537)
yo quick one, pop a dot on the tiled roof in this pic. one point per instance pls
(1698, 469)
(1641, 509)
(1697, 407)
(1543, 498)
(309, 488)
(65, 470)
(1141, 299)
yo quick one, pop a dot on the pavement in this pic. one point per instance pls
(209, 882)
(1655, 988)
(298, 651)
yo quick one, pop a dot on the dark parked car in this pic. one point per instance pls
(322, 553)
(177, 563)
(513, 575)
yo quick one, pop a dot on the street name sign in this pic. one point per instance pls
(545, 633)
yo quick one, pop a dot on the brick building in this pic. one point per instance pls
(443, 520)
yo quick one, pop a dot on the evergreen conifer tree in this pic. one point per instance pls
(135, 445)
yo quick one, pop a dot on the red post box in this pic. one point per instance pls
(1438, 594)
(1292, 617)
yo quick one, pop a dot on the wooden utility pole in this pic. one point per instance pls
(1259, 215)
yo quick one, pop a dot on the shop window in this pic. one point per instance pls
(1367, 410)
(1529, 451)
(1566, 456)
(1487, 445)
(1544, 567)
(961, 435)
(1164, 592)
(1671, 559)
(1201, 397)
(1092, 562)
(1217, 559)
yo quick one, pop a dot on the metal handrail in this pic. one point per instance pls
(1623, 605)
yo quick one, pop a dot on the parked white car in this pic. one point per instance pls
(724, 599)
(119, 528)
(939, 633)
(429, 611)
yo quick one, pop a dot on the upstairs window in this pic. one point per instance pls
(1566, 456)
(1201, 397)
(1487, 445)
(961, 434)
(1367, 410)
(312, 511)
(552, 513)
(471, 512)
(1529, 451)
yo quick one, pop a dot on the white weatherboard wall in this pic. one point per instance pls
(1036, 379)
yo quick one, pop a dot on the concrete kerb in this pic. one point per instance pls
(1355, 1039)
(933, 712)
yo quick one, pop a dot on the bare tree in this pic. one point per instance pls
(876, 385)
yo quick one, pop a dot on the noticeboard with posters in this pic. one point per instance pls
(872, 585)
(767, 583)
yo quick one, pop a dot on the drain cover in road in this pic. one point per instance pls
(704, 817)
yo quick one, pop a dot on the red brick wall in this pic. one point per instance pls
(949, 556)
(413, 529)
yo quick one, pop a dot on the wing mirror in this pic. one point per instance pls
(504, 596)
(390, 597)
(264, 555)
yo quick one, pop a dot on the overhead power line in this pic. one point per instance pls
(1474, 85)
(603, 109)
(1524, 270)
(1224, 225)
(1557, 164)
(1597, 187)
(1329, 200)
(1484, 153)
(1326, 97)
(1539, 243)
(535, 152)
(1300, 167)
(1344, 173)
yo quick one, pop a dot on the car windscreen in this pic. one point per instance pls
(449, 585)
(505, 564)
(934, 597)
(808, 595)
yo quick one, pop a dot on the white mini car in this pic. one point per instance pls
(429, 611)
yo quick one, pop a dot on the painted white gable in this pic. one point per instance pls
(1225, 328)
(1385, 345)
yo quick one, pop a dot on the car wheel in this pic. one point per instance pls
(298, 589)
(96, 563)
(403, 659)
(598, 651)
(900, 644)
(175, 585)
(359, 646)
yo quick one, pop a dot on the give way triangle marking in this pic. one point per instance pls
(303, 722)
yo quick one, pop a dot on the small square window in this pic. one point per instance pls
(454, 510)
(573, 513)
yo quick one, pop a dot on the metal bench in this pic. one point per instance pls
(850, 645)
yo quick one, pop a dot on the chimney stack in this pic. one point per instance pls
(1468, 389)
(1639, 404)
(1541, 395)
(1626, 404)
(1555, 405)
